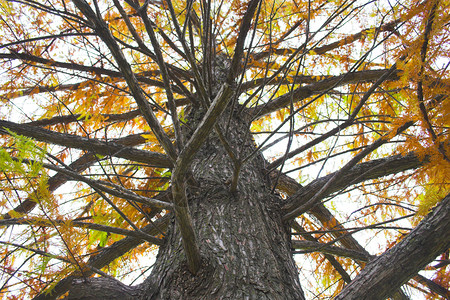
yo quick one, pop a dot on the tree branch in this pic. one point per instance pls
(165, 76)
(239, 48)
(386, 273)
(105, 34)
(99, 147)
(309, 237)
(178, 175)
(359, 173)
(342, 42)
(322, 86)
(345, 124)
(103, 258)
(81, 224)
(352, 248)
(115, 190)
(337, 176)
(102, 288)
(76, 117)
(141, 77)
(59, 179)
(310, 246)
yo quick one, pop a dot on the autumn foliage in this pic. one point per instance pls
(329, 86)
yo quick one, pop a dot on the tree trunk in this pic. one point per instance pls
(245, 247)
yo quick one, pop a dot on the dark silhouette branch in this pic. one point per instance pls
(309, 246)
(342, 42)
(99, 147)
(105, 34)
(81, 224)
(240, 43)
(77, 117)
(320, 87)
(333, 261)
(361, 172)
(57, 180)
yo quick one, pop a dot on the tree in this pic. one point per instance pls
(232, 136)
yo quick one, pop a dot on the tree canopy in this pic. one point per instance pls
(347, 105)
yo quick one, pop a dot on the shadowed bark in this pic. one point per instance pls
(244, 244)
(102, 288)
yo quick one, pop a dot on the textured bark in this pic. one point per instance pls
(244, 245)
(102, 288)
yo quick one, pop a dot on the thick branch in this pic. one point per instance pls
(310, 246)
(81, 224)
(288, 80)
(352, 248)
(385, 274)
(99, 147)
(342, 42)
(178, 176)
(142, 77)
(345, 124)
(166, 78)
(240, 43)
(76, 117)
(359, 173)
(433, 286)
(49, 62)
(102, 288)
(320, 87)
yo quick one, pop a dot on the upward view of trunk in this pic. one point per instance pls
(267, 149)
(244, 245)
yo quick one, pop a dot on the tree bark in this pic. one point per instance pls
(102, 288)
(244, 245)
